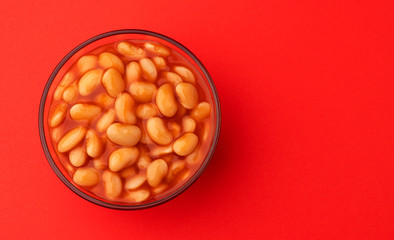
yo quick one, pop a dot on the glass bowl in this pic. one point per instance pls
(73, 56)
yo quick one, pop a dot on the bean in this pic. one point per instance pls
(81, 111)
(107, 119)
(156, 171)
(124, 134)
(142, 91)
(124, 106)
(122, 157)
(160, 151)
(87, 63)
(201, 111)
(158, 132)
(138, 195)
(89, 81)
(174, 128)
(188, 124)
(77, 156)
(192, 158)
(147, 110)
(70, 93)
(130, 50)
(206, 132)
(113, 82)
(185, 74)
(127, 172)
(86, 177)
(100, 163)
(58, 115)
(165, 100)
(94, 145)
(144, 161)
(157, 49)
(175, 168)
(185, 144)
(56, 134)
(160, 62)
(104, 100)
(172, 78)
(159, 189)
(187, 95)
(133, 72)
(112, 184)
(145, 139)
(148, 69)
(71, 139)
(109, 60)
(135, 182)
(67, 79)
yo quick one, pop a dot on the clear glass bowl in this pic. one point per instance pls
(74, 55)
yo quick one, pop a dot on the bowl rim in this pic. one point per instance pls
(155, 202)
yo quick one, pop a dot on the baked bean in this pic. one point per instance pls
(175, 129)
(192, 158)
(185, 144)
(112, 184)
(175, 168)
(144, 161)
(160, 151)
(130, 50)
(147, 110)
(185, 74)
(104, 100)
(58, 115)
(89, 81)
(148, 69)
(142, 91)
(135, 182)
(133, 72)
(187, 95)
(87, 63)
(113, 82)
(94, 145)
(145, 139)
(127, 172)
(124, 134)
(124, 106)
(100, 164)
(172, 77)
(71, 139)
(188, 124)
(77, 156)
(157, 49)
(201, 111)
(158, 132)
(160, 63)
(165, 100)
(122, 158)
(81, 111)
(56, 134)
(86, 177)
(70, 93)
(106, 119)
(110, 60)
(159, 189)
(138, 195)
(156, 171)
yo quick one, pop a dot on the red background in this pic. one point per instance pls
(307, 143)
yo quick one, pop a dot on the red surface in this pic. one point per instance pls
(307, 143)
